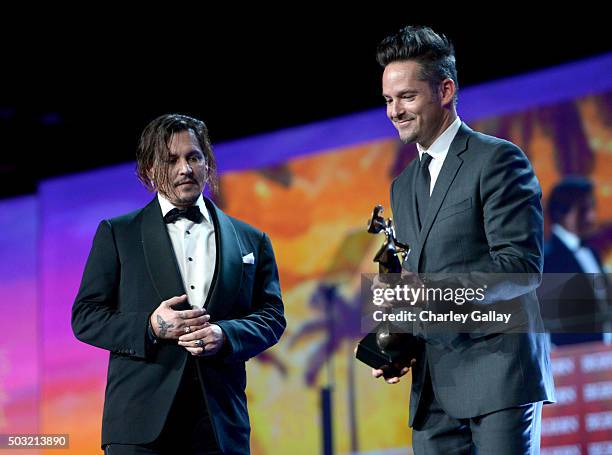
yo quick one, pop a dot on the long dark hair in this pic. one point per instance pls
(153, 151)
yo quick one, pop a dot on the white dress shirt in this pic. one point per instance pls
(195, 250)
(438, 151)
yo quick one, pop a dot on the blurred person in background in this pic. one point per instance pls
(583, 306)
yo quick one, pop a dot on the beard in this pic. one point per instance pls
(181, 198)
(187, 197)
(408, 137)
(408, 134)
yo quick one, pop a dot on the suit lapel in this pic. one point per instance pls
(159, 256)
(449, 170)
(228, 270)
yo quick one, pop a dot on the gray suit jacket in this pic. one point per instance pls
(484, 218)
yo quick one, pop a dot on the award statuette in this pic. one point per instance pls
(382, 348)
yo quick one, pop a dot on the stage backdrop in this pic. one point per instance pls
(311, 189)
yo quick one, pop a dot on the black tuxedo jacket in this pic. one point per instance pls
(131, 269)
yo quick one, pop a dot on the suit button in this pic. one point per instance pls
(132, 352)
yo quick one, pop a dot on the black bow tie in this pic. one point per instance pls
(191, 213)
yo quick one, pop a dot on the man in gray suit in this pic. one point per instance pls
(470, 204)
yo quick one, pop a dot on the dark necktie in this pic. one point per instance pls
(422, 188)
(191, 213)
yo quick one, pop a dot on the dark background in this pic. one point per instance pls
(75, 96)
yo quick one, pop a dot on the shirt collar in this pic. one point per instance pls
(166, 206)
(439, 147)
(569, 239)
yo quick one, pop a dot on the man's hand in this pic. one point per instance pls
(169, 324)
(394, 380)
(206, 341)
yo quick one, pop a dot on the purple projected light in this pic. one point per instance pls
(19, 337)
(71, 209)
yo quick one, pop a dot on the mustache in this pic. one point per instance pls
(185, 181)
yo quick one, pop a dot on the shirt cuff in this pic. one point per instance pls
(151, 338)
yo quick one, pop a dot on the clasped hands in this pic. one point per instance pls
(191, 328)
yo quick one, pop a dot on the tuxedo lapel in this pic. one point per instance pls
(164, 271)
(159, 255)
(228, 270)
(449, 170)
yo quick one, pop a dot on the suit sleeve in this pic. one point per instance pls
(512, 209)
(96, 317)
(263, 327)
(513, 224)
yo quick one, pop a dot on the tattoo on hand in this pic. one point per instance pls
(163, 326)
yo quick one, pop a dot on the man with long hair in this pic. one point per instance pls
(181, 294)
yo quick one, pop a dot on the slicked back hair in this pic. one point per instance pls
(434, 53)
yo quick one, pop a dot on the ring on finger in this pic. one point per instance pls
(187, 329)
(200, 343)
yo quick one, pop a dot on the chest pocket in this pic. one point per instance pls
(454, 209)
